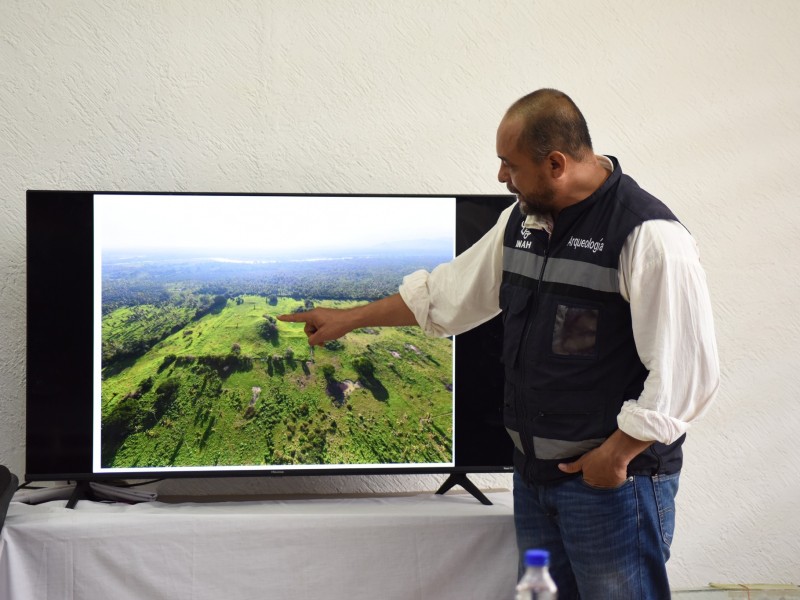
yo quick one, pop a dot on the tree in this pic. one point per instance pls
(333, 345)
(364, 366)
(328, 371)
(167, 361)
(268, 328)
(166, 393)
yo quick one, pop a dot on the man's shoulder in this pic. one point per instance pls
(641, 204)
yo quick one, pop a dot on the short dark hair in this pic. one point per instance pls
(551, 122)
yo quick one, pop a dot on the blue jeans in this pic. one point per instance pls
(605, 544)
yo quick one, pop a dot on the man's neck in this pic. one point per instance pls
(588, 177)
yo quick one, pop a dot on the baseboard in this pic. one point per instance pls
(760, 591)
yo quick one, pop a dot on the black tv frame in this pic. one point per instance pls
(60, 282)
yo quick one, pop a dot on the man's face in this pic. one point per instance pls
(523, 176)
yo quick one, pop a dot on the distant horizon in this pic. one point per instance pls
(422, 246)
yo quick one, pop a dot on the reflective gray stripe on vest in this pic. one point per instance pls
(562, 270)
(522, 263)
(516, 439)
(548, 449)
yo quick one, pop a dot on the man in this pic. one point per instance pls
(609, 348)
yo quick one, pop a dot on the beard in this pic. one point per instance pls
(536, 204)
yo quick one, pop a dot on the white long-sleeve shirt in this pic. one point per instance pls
(659, 275)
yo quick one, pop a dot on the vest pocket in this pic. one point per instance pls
(575, 330)
(567, 424)
(514, 302)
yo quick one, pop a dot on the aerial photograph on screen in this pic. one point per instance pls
(195, 369)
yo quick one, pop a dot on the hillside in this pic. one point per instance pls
(234, 387)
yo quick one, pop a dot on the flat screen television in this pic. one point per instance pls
(153, 348)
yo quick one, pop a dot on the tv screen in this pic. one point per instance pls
(154, 348)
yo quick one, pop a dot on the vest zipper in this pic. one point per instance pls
(526, 435)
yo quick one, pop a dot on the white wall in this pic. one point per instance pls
(699, 100)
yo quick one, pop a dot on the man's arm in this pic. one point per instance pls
(454, 297)
(325, 324)
(673, 326)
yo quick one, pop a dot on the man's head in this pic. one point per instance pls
(540, 136)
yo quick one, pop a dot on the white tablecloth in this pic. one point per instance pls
(418, 547)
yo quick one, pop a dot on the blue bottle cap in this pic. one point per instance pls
(537, 558)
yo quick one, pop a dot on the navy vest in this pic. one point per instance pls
(568, 347)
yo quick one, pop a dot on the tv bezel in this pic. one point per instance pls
(60, 447)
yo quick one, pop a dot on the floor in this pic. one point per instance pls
(756, 592)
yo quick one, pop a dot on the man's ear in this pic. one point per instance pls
(558, 164)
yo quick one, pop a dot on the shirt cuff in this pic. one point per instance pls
(649, 425)
(415, 294)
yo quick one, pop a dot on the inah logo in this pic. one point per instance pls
(589, 244)
(525, 232)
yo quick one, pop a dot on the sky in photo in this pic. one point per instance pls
(267, 223)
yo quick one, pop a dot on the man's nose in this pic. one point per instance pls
(502, 176)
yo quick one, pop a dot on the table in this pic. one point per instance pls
(418, 547)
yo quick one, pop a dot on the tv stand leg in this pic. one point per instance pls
(82, 491)
(462, 480)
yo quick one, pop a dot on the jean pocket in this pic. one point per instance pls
(628, 481)
(665, 488)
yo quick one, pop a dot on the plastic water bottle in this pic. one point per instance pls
(536, 583)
